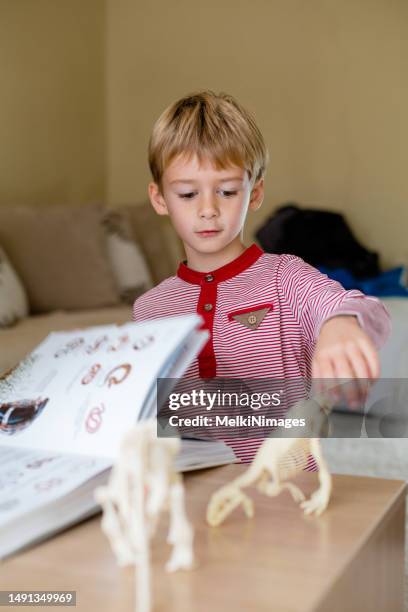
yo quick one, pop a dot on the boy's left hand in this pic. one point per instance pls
(344, 351)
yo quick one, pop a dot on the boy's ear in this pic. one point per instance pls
(157, 199)
(257, 195)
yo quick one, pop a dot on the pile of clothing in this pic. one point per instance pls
(324, 240)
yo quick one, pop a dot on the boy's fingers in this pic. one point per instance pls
(357, 358)
(354, 367)
(326, 367)
(371, 357)
(348, 388)
(359, 386)
(362, 371)
(326, 375)
(342, 365)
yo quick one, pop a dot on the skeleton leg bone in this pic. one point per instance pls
(320, 498)
(224, 501)
(271, 484)
(180, 531)
(113, 529)
(228, 497)
(274, 487)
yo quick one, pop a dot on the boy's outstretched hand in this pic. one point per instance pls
(344, 351)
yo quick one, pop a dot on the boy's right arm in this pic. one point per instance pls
(315, 298)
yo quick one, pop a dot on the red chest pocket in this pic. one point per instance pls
(252, 316)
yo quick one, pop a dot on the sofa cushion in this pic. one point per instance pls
(13, 298)
(129, 266)
(60, 254)
(159, 242)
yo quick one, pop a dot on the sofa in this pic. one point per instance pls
(33, 239)
(77, 267)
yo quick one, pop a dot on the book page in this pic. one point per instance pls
(79, 391)
(31, 479)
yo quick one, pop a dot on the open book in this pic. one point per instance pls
(65, 409)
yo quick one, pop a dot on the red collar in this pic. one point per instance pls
(241, 263)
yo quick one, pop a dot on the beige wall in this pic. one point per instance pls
(52, 101)
(327, 81)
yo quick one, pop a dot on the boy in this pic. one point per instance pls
(268, 315)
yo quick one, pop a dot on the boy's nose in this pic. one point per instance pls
(208, 209)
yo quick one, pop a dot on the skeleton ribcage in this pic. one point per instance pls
(295, 460)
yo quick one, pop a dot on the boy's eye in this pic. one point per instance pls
(227, 193)
(187, 196)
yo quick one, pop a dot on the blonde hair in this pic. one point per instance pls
(207, 125)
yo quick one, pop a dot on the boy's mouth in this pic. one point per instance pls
(208, 233)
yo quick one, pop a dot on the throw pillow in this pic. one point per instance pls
(13, 298)
(129, 266)
(60, 254)
(159, 242)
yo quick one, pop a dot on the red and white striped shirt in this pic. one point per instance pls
(293, 298)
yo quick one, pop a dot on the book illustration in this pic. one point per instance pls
(38, 463)
(105, 343)
(12, 379)
(143, 342)
(17, 416)
(70, 347)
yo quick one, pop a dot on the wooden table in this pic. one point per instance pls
(351, 558)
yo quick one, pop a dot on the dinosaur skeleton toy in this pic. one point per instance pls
(142, 483)
(277, 461)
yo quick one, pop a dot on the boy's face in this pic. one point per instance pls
(207, 207)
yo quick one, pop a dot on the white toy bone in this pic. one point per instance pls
(142, 483)
(278, 460)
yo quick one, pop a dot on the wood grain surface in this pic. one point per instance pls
(350, 558)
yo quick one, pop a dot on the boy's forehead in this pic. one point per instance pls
(191, 168)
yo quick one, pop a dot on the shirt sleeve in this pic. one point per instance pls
(314, 298)
(139, 310)
(134, 312)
